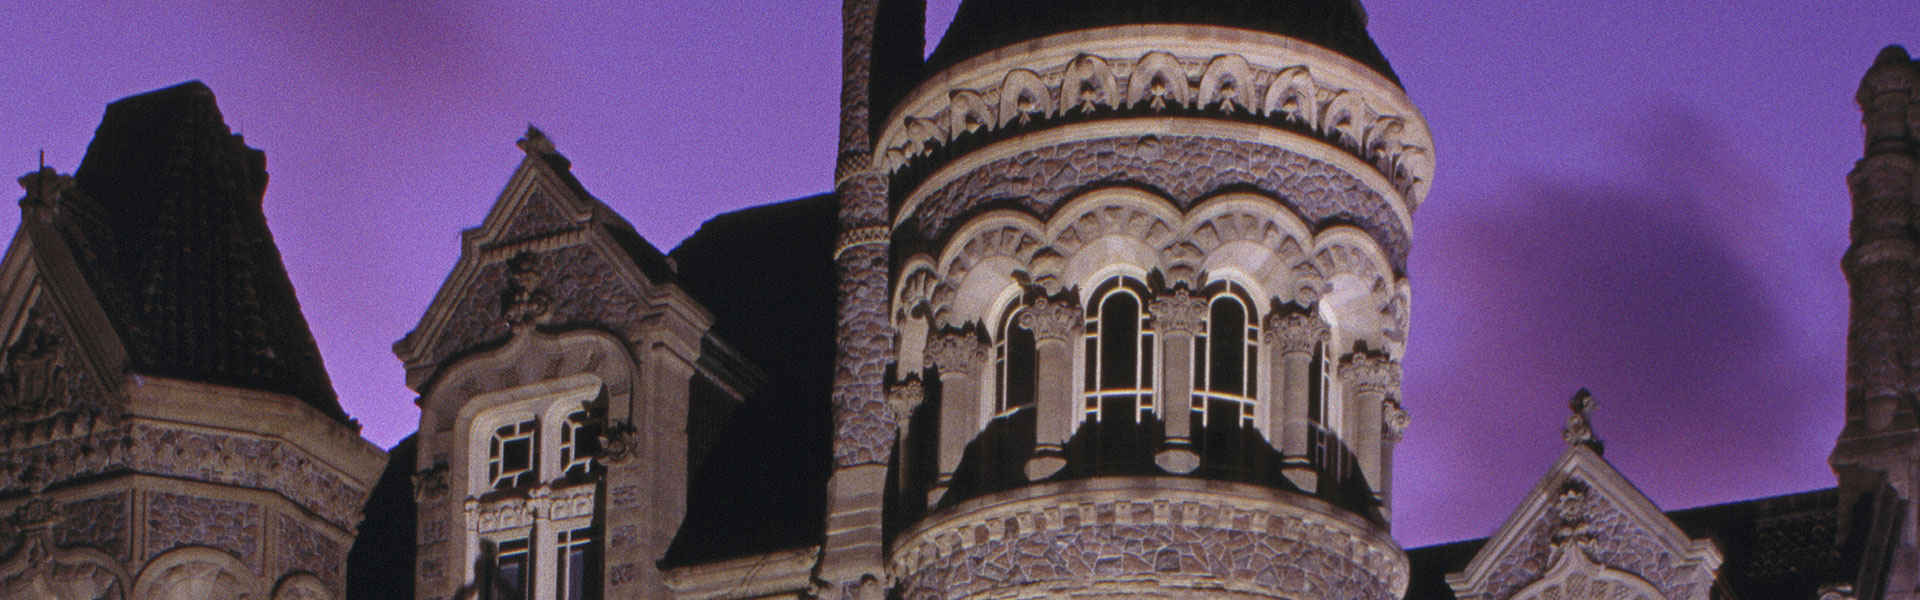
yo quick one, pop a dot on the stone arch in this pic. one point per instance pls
(1227, 83)
(1295, 96)
(301, 586)
(1111, 226)
(1359, 284)
(1023, 96)
(978, 264)
(1088, 85)
(196, 573)
(1157, 79)
(917, 280)
(61, 574)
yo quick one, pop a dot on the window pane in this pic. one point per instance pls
(1119, 336)
(1226, 345)
(510, 570)
(1021, 380)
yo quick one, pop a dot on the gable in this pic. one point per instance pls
(1585, 518)
(588, 266)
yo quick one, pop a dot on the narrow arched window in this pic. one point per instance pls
(1119, 354)
(1226, 363)
(1014, 357)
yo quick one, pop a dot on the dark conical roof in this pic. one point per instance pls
(981, 26)
(170, 235)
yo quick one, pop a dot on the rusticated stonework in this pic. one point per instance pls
(863, 426)
(1185, 168)
(301, 548)
(1180, 541)
(1610, 537)
(98, 522)
(175, 520)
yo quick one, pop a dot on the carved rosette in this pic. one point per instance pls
(1051, 319)
(1296, 333)
(1370, 374)
(956, 353)
(1179, 312)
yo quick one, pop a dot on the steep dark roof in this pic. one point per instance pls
(169, 232)
(1779, 547)
(981, 26)
(767, 273)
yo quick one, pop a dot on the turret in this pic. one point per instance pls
(1147, 278)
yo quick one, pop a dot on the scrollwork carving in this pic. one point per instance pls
(1295, 333)
(1366, 373)
(1051, 319)
(903, 398)
(1179, 312)
(956, 352)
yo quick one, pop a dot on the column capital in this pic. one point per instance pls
(1178, 312)
(1295, 333)
(955, 352)
(1051, 319)
(903, 398)
(1370, 373)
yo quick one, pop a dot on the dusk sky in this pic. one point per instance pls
(1645, 198)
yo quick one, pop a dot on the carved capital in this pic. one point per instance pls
(1394, 420)
(1295, 333)
(903, 398)
(1179, 312)
(1370, 374)
(1051, 319)
(955, 352)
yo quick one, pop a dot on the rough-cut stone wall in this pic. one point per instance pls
(1172, 543)
(302, 548)
(1184, 167)
(98, 522)
(177, 520)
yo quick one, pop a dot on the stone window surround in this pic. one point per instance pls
(546, 508)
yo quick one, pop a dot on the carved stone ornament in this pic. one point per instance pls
(1296, 333)
(524, 302)
(903, 398)
(1395, 420)
(431, 484)
(1179, 312)
(38, 513)
(955, 352)
(1571, 523)
(1579, 430)
(1370, 374)
(619, 443)
(1051, 319)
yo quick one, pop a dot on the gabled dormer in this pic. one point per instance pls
(1586, 532)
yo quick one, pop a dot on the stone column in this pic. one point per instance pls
(1394, 429)
(1291, 339)
(1177, 318)
(1053, 323)
(540, 542)
(961, 360)
(1368, 379)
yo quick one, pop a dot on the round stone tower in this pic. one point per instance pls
(1148, 284)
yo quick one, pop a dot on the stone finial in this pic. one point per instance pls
(1179, 312)
(536, 142)
(43, 186)
(1579, 430)
(1296, 333)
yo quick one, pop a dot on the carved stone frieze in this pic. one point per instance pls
(578, 284)
(46, 390)
(1221, 85)
(176, 520)
(1051, 319)
(1295, 333)
(1608, 535)
(1186, 168)
(1179, 312)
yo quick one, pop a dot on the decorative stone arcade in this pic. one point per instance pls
(1148, 284)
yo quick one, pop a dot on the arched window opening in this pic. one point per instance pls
(1119, 355)
(1015, 359)
(1226, 359)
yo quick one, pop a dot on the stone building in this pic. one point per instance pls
(1108, 298)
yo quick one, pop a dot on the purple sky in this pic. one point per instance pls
(1643, 197)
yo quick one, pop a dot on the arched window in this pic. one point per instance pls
(1014, 365)
(1119, 354)
(1226, 359)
